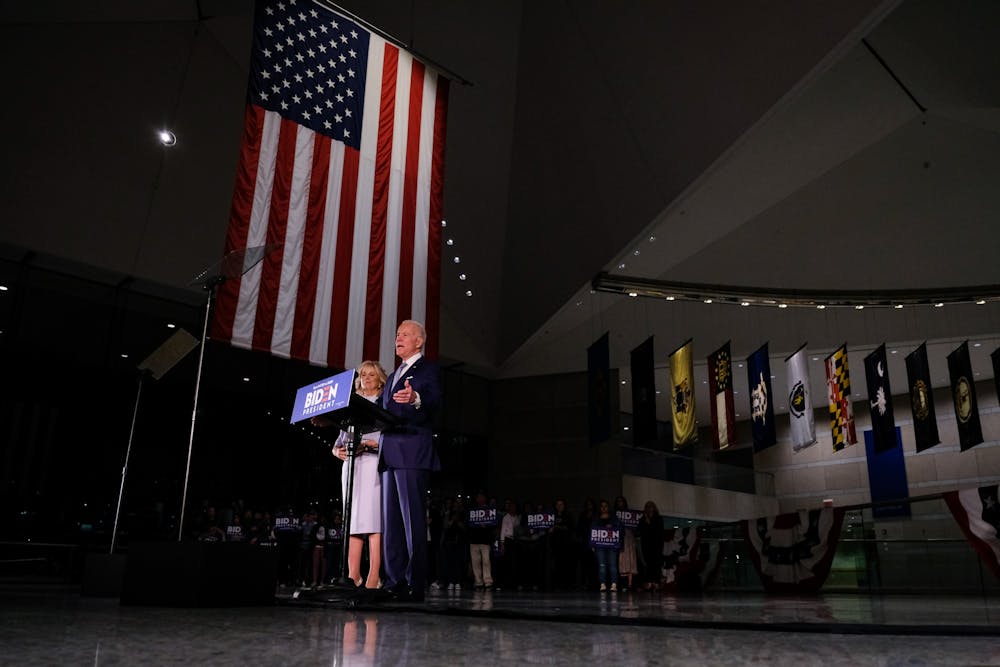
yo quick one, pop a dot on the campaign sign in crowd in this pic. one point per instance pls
(483, 517)
(602, 537)
(541, 520)
(629, 518)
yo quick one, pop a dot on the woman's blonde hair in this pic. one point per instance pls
(382, 376)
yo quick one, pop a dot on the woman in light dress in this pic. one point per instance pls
(366, 503)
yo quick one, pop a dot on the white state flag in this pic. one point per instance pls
(800, 410)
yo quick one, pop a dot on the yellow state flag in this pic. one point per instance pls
(682, 396)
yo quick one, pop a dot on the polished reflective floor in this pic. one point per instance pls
(63, 628)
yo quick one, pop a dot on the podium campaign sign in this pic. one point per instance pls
(324, 396)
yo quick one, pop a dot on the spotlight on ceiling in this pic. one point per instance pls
(166, 137)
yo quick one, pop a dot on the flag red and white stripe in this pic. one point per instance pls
(357, 226)
(977, 512)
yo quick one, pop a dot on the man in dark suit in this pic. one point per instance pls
(407, 457)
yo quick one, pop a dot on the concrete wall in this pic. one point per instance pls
(696, 502)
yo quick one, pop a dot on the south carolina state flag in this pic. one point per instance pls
(341, 165)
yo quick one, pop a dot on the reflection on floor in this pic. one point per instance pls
(63, 628)
(900, 614)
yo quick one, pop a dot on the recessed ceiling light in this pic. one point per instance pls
(621, 266)
(444, 223)
(246, 379)
(171, 325)
(457, 260)
(859, 307)
(652, 238)
(124, 356)
(450, 241)
(166, 137)
(939, 304)
(893, 351)
(821, 307)
(468, 292)
(624, 381)
(633, 293)
(782, 305)
(635, 253)
(462, 276)
(3, 288)
(708, 301)
(898, 306)
(744, 303)
(671, 298)
(977, 345)
(980, 302)
(625, 428)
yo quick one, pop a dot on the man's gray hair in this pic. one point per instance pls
(420, 330)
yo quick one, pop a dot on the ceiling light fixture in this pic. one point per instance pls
(782, 305)
(468, 292)
(821, 307)
(462, 276)
(166, 137)
(744, 303)
(860, 306)
(457, 260)
(980, 302)
(450, 241)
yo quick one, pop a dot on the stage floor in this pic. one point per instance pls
(843, 614)
(60, 627)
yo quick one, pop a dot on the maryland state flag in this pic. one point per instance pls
(720, 389)
(963, 394)
(838, 385)
(761, 401)
(918, 375)
(880, 399)
(802, 425)
(682, 388)
(643, 394)
(599, 390)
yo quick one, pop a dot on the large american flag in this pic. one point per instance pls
(342, 164)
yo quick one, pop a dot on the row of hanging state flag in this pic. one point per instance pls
(802, 427)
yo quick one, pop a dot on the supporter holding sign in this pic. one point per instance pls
(605, 540)
(482, 531)
(627, 561)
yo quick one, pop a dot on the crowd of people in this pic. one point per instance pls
(519, 545)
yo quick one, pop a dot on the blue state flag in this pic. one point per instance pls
(761, 402)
